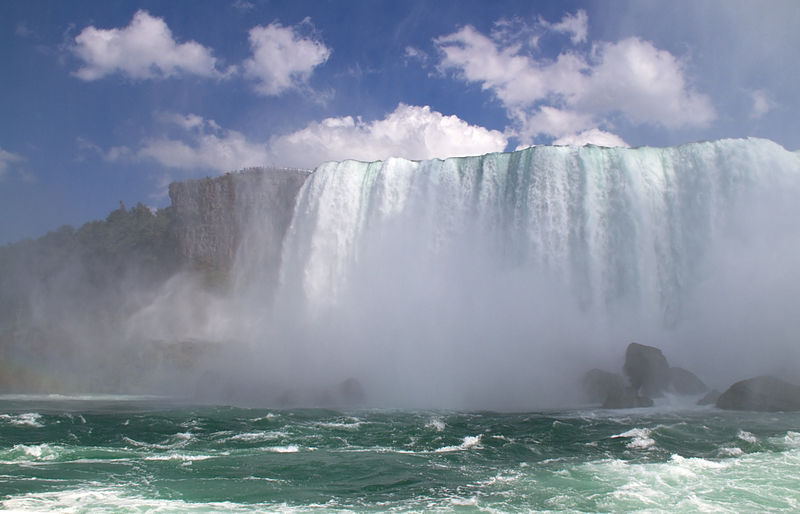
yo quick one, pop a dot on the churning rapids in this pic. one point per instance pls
(468, 295)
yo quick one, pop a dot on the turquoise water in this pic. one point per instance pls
(143, 454)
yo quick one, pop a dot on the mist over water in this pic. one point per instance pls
(496, 281)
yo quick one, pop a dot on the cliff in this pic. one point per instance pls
(73, 291)
(213, 216)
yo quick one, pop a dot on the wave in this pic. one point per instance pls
(436, 424)
(640, 438)
(467, 443)
(114, 499)
(30, 419)
(291, 448)
(179, 456)
(30, 453)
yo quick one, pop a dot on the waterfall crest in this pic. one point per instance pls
(618, 228)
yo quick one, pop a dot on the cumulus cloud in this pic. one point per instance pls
(145, 49)
(198, 145)
(579, 90)
(203, 146)
(413, 132)
(7, 159)
(282, 58)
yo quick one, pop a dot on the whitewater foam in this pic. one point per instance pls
(30, 419)
(469, 442)
(747, 437)
(291, 448)
(640, 438)
(436, 424)
(33, 453)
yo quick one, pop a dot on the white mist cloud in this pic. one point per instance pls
(282, 58)
(579, 90)
(409, 131)
(145, 49)
(7, 159)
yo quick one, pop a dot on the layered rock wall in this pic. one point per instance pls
(213, 216)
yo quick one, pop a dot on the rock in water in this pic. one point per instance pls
(626, 398)
(609, 389)
(647, 369)
(764, 393)
(683, 381)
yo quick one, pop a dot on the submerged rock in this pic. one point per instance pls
(763, 393)
(647, 369)
(683, 381)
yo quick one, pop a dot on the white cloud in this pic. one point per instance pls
(409, 131)
(412, 132)
(592, 136)
(282, 58)
(644, 83)
(552, 121)
(7, 159)
(145, 49)
(575, 25)
(243, 5)
(204, 146)
(578, 90)
(762, 103)
(414, 54)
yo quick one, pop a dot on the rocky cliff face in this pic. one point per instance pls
(213, 217)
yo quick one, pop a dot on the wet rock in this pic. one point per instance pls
(647, 369)
(627, 398)
(683, 381)
(763, 393)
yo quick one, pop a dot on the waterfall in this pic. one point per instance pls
(618, 228)
(509, 271)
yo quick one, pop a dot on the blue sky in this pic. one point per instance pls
(109, 101)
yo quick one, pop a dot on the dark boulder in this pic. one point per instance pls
(647, 369)
(609, 389)
(683, 381)
(761, 394)
(627, 398)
